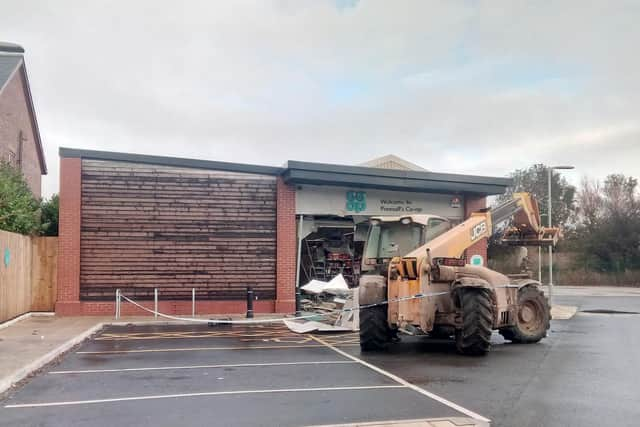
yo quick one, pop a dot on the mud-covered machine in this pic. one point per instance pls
(463, 301)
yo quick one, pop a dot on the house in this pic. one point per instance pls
(20, 143)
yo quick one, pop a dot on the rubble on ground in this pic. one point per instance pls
(333, 302)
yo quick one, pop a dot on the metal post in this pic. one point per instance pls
(193, 302)
(155, 302)
(249, 302)
(550, 246)
(299, 256)
(117, 303)
(540, 264)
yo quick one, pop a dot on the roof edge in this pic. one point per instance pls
(32, 112)
(396, 173)
(169, 161)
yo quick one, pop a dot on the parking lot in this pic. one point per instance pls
(583, 374)
(197, 375)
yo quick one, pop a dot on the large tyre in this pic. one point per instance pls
(375, 333)
(532, 319)
(474, 338)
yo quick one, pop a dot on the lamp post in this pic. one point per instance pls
(551, 169)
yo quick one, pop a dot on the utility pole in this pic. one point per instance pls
(551, 169)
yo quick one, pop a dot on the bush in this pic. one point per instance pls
(49, 217)
(19, 209)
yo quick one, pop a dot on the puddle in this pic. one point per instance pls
(607, 311)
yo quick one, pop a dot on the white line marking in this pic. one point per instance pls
(212, 393)
(405, 383)
(160, 350)
(237, 365)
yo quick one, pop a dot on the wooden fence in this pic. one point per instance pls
(28, 273)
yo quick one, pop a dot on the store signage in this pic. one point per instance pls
(344, 201)
(455, 202)
(477, 260)
(356, 201)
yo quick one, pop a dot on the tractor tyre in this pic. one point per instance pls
(532, 319)
(474, 338)
(375, 333)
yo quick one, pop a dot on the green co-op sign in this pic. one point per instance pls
(356, 201)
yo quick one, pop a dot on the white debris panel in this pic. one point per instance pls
(335, 304)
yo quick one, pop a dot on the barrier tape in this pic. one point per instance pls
(281, 319)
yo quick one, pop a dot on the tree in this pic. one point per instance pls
(607, 235)
(19, 209)
(49, 217)
(534, 180)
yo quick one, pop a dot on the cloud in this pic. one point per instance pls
(468, 87)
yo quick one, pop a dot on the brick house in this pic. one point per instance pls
(137, 222)
(20, 143)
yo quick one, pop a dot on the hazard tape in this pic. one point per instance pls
(280, 319)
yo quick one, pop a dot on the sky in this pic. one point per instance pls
(474, 87)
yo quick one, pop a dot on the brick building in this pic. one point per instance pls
(20, 143)
(136, 222)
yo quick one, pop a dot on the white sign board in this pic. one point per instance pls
(343, 201)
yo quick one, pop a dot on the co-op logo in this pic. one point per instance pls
(356, 201)
(478, 231)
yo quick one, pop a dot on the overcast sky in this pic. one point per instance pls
(455, 86)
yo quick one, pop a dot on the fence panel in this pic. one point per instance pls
(27, 274)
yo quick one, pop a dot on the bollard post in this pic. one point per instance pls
(298, 304)
(117, 303)
(193, 302)
(155, 302)
(249, 302)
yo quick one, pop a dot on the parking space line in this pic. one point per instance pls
(235, 365)
(213, 393)
(257, 347)
(405, 383)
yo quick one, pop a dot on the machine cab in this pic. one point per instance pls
(391, 236)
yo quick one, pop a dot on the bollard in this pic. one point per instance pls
(298, 304)
(155, 302)
(193, 302)
(117, 303)
(249, 302)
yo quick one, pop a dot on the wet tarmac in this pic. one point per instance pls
(584, 373)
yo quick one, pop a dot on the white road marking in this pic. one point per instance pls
(236, 365)
(404, 382)
(160, 350)
(213, 393)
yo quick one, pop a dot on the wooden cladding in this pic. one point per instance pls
(175, 229)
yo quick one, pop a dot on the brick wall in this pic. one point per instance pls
(286, 254)
(473, 204)
(14, 119)
(74, 228)
(68, 299)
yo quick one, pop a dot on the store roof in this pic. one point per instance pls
(298, 173)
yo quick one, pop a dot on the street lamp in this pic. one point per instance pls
(551, 169)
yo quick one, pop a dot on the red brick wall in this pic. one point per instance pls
(286, 254)
(15, 117)
(69, 246)
(68, 300)
(473, 204)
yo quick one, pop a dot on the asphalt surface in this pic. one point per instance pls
(585, 373)
(196, 375)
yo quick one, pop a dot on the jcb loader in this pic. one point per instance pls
(470, 301)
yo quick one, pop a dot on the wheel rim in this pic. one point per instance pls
(530, 317)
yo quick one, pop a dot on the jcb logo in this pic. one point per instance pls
(478, 231)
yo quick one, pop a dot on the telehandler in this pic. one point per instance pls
(470, 301)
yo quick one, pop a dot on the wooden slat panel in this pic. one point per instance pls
(175, 229)
(44, 275)
(15, 278)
